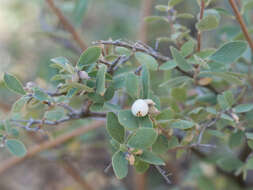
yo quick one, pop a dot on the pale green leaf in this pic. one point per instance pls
(114, 128)
(13, 84)
(120, 165)
(229, 52)
(148, 60)
(16, 147)
(143, 138)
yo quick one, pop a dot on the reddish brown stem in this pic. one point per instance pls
(140, 181)
(48, 144)
(242, 23)
(202, 8)
(146, 6)
(67, 25)
(74, 173)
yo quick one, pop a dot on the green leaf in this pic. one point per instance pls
(16, 147)
(229, 52)
(249, 164)
(222, 102)
(241, 108)
(19, 104)
(185, 16)
(100, 80)
(76, 85)
(227, 76)
(250, 143)
(155, 18)
(179, 94)
(143, 138)
(166, 115)
(179, 59)
(209, 22)
(122, 51)
(171, 64)
(109, 93)
(187, 48)
(173, 3)
(145, 59)
(40, 95)
(145, 78)
(162, 8)
(173, 142)
(176, 81)
(89, 56)
(249, 136)
(229, 97)
(236, 139)
(229, 163)
(62, 64)
(120, 165)
(13, 84)
(151, 158)
(145, 122)
(161, 145)
(140, 166)
(114, 128)
(79, 11)
(55, 114)
(132, 85)
(182, 124)
(128, 120)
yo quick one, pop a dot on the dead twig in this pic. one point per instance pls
(67, 25)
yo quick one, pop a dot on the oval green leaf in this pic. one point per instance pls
(16, 147)
(114, 128)
(13, 84)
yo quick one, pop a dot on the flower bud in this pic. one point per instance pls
(140, 108)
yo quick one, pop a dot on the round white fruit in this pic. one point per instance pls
(83, 75)
(140, 108)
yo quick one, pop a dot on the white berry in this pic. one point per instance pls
(140, 108)
(83, 75)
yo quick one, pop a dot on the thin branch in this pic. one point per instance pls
(202, 8)
(242, 23)
(75, 174)
(163, 173)
(139, 47)
(5, 165)
(66, 24)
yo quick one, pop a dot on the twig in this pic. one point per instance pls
(242, 23)
(146, 6)
(139, 47)
(163, 173)
(74, 173)
(106, 170)
(5, 165)
(202, 8)
(66, 24)
(40, 122)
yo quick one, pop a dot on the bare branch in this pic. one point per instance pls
(66, 24)
(242, 23)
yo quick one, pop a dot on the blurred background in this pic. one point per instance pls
(31, 34)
